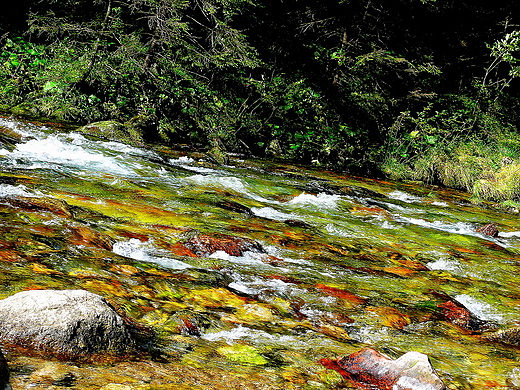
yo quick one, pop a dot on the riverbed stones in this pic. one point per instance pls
(368, 367)
(64, 323)
(4, 374)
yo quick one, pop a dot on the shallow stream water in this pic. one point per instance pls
(347, 263)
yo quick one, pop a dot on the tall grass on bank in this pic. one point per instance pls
(488, 168)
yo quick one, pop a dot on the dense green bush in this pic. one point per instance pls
(373, 87)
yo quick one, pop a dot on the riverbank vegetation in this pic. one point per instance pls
(412, 89)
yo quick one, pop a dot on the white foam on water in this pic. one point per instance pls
(440, 204)
(242, 332)
(123, 148)
(54, 150)
(187, 163)
(255, 285)
(370, 335)
(24, 129)
(242, 288)
(145, 251)
(226, 182)
(247, 258)
(320, 200)
(480, 309)
(445, 265)
(271, 213)
(337, 231)
(181, 160)
(457, 227)
(404, 197)
(7, 190)
(509, 234)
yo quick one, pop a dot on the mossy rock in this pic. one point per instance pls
(25, 109)
(113, 131)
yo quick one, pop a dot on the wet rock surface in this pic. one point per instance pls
(68, 323)
(370, 368)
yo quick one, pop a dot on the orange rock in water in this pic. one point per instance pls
(181, 250)
(343, 294)
(391, 317)
(457, 314)
(370, 369)
(82, 235)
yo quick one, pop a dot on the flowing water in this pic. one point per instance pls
(347, 263)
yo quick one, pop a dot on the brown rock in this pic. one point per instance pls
(370, 369)
(205, 245)
(489, 230)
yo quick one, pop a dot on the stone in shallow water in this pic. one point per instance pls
(489, 230)
(370, 368)
(205, 245)
(67, 323)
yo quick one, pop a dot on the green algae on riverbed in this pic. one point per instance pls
(348, 263)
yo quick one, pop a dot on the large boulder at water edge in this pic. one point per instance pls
(66, 323)
(4, 374)
(369, 368)
(113, 131)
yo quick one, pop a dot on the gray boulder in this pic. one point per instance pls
(66, 323)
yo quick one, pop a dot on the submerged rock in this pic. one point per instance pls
(66, 323)
(509, 336)
(234, 206)
(369, 368)
(489, 230)
(4, 374)
(457, 314)
(205, 245)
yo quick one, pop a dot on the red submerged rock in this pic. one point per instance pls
(369, 368)
(489, 230)
(205, 245)
(457, 314)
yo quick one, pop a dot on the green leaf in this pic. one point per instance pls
(49, 86)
